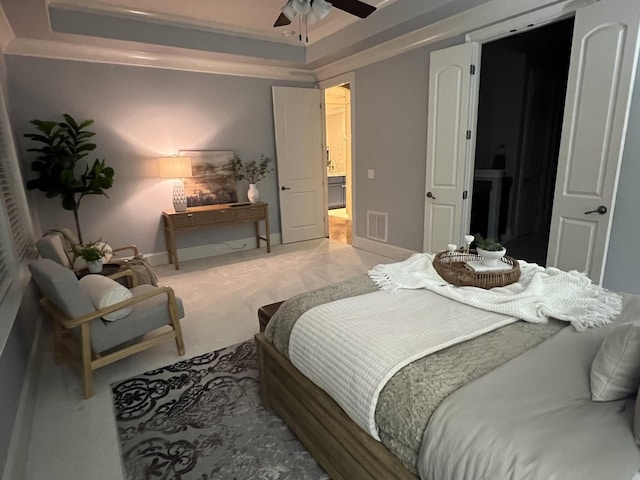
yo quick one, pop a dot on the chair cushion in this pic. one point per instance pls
(104, 292)
(61, 287)
(145, 317)
(615, 371)
(51, 247)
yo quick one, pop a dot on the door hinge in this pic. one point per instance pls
(472, 70)
(468, 134)
(464, 195)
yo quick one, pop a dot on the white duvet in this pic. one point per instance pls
(350, 348)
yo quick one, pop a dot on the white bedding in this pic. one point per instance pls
(540, 294)
(350, 348)
(533, 419)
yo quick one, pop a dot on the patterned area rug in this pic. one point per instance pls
(202, 419)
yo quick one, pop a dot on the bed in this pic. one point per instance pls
(513, 403)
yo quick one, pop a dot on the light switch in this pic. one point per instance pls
(371, 173)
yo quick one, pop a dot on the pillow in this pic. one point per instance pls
(636, 420)
(615, 372)
(104, 292)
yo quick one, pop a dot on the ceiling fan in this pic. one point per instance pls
(313, 10)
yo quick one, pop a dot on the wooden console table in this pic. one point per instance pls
(211, 215)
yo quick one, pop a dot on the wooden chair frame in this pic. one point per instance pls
(85, 360)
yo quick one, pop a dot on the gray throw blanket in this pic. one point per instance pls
(407, 402)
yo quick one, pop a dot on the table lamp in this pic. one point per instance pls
(178, 168)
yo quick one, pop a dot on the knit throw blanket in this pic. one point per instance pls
(540, 294)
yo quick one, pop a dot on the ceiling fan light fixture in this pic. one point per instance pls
(311, 17)
(289, 11)
(320, 8)
(301, 7)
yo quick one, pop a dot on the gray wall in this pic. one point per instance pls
(14, 357)
(390, 137)
(141, 114)
(623, 263)
(14, 360)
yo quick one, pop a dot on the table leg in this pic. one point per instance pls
(256, 224)
(170, 240)
(266, 228)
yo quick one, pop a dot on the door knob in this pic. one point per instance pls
(601, 210)
(430, 195)
(285, 188)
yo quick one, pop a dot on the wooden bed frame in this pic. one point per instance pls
(343, 449)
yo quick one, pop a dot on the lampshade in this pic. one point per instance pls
(302, 7)
(175, 167)
(320, 8)
(288, 11)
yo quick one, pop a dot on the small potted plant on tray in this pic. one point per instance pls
(92, 253)
(490, 250)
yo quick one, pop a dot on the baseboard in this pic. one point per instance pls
(211, 250)
(391, 251)
(16, 464)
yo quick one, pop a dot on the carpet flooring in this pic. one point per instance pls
(202, 419)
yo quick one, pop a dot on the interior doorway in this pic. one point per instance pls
(337, 102)
(523, 84)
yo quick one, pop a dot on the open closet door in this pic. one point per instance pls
(301, 166)
(449, 143)
(601, 78)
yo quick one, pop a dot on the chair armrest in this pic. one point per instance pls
(133, 248)
(67, 322)
(133, 279)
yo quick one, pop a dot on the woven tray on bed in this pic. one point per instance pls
(452, 266)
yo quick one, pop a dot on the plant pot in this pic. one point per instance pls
(94, 266)
(491, 259)
(253, 194)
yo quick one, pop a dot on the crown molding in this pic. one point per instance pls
(88, 53)
(459, 24)
(482, 19)
(163, 19)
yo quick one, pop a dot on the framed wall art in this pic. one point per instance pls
(212, 181)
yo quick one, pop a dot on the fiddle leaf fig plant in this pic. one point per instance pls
(60, 172)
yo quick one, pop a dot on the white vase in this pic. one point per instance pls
(253, 194)
(94, 266)
(490, 259)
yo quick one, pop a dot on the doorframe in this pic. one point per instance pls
(334, 82)
(513, 26)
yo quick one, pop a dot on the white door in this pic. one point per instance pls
(449, 146)
(301, 168)
(601, 77)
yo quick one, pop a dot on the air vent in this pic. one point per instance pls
(377, 226)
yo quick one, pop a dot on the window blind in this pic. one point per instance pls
(16, 232)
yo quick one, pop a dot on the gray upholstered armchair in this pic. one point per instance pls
(56, 246)
(107, 319)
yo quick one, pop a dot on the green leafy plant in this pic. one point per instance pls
(253, 171)
(64, 144)
(92, 251)
(488, 244)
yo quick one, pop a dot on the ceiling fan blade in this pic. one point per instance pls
(354, 7)
(281, 21)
